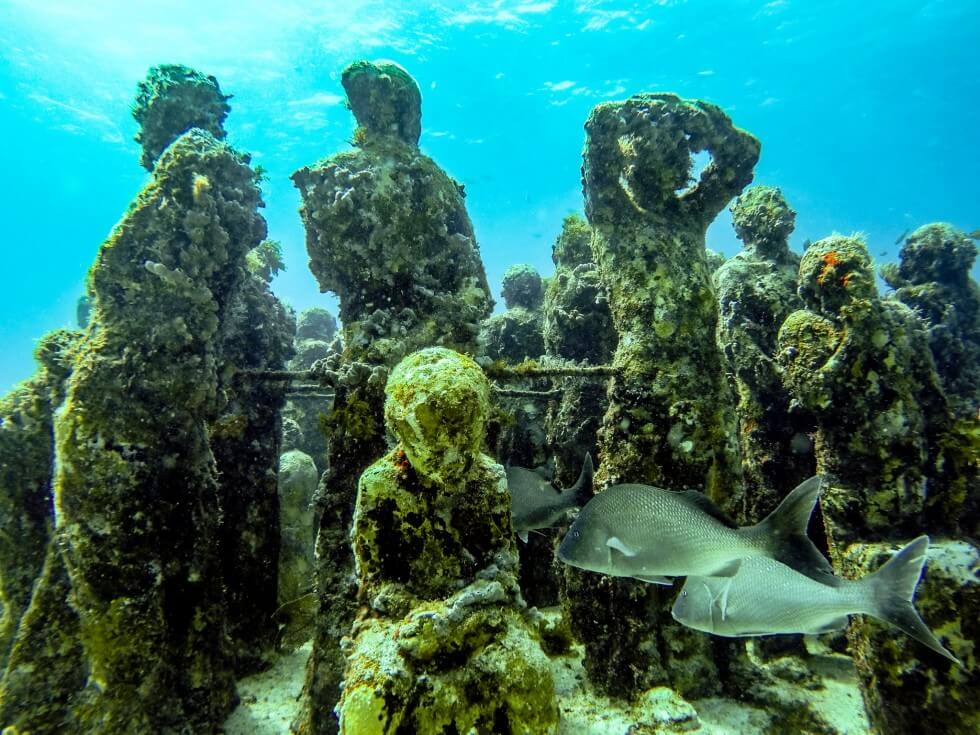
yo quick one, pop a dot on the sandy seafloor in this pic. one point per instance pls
(270, 700)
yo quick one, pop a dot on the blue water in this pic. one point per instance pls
(868, 113)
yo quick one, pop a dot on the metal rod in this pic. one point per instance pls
(534, 371)
(542, 395)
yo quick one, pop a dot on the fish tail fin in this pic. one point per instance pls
(892, 588)
(581, 491)
(784, 532)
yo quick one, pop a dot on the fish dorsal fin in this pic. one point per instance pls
(784, 533)
(615, 543)
(581, 492)
(654, 579)
(703, 503)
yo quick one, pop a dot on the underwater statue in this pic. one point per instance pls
(443, 642)
(26, 469)
(862, 367)
(388, 232)
(756, 291)
(128, 629)
(578, 329)
(896, 468)
(516, 334)
(670, 420)
(933, 277)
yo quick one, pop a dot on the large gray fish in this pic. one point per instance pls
(534, 502)
(650, 534)
(764, 597)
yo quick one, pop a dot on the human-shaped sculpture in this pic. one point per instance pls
(756, 291)
(436, 562)
(670, 420)
(388, 232)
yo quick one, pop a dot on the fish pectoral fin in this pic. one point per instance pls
(832, 625)
(723, 599)
(654, 579)
(614, 543)
(522, 535)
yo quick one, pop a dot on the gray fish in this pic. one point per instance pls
(764, 597)
(650, 534)
(534, 502)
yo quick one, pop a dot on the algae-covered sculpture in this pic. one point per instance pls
(862, 366)
(933, 277)
(515, 335)
(172, 100)
(245, 440)
(26, 467)
(127, 630)
(444, 643)
(756, 291)
(670, 420)
(316, 339)
(387, 231)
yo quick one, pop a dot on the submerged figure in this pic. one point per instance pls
(933, 278)
(756, 291)
(671, 419)
(444, 642)
(387, 230)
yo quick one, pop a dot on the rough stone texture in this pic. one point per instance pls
(26, 467)
(715, 260)
(172, 100)
(670, 420)
(298, 479)
(862, 367)
(522, 287)
(933, 278)
(388, 232)
(245, 439)
(445, 644)
(756, 291)
(905, 684)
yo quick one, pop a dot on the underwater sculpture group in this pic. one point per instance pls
(142, 531)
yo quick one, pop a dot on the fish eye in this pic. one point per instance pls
(575, 534)
(683, 593)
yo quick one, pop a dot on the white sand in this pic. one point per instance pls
(270, 699)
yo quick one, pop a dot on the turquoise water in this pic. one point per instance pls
(868, 114)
